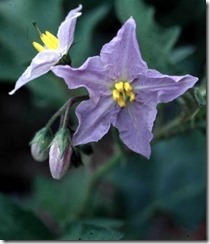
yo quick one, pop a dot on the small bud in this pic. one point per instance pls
(200, 99)
(60, 154)
(40, 144)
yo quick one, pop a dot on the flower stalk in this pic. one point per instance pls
(66, 108)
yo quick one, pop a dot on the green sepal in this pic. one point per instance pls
(62, 138)
(65, 60)
(43, 138)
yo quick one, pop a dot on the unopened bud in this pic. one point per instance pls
(40, 144)
(60, 154)
(199, 97)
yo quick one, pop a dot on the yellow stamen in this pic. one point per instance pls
(38, 47)
(115, 95)
(119, 86)
(53, 38)
(131, 95)
(50, 41)
(128, 87)
(121, 102)
(47, 41)
(123, 93)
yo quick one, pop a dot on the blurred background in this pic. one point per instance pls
(163, 198)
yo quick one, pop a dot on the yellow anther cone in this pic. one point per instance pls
(38, 47)
(119, 86)
(121, 102)
(115, 95)
(131, 95)
(123, 93)
(52, 38)
(47, 41)
(128, 87)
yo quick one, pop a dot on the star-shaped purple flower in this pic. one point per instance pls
(123, 92)
(53, 50)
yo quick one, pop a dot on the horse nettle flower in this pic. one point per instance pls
(60, 154)
(123, 91)
(40, 143)
(53, 50)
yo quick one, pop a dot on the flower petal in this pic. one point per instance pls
(91, 75)
(95, 118)
(122, 55)
(163, 88)
(66, 30)
(40, 65)
(135, 124)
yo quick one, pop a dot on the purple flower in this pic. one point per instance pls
(123, 92)
(53, 50)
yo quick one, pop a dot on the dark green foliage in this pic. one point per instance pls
(20, 224)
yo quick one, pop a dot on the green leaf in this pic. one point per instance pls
(20, 224)
(89, 232)
(155, 42)
(61, 199)
(105, 222)
(181, 177)
(181, 162)
(172, 182)
(181, 53)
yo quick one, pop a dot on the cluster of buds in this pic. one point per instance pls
(58, 149)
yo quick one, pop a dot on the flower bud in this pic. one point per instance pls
(60, 154)
(40, 144)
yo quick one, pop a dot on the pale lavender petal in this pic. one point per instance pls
(95, 118)
(66, 30)
(91, 75)
(163, 88)
(122, 55)
(135, 124)
(40, 65)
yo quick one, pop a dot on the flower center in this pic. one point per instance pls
(49, 40)
(123, 93)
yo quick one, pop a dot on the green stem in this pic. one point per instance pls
(66, 107)
(105, 168)
(166, 130)
(70, 103)
(120, 144)
(99, 172)
(177, 126)
(57, 114)
(65, 117)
